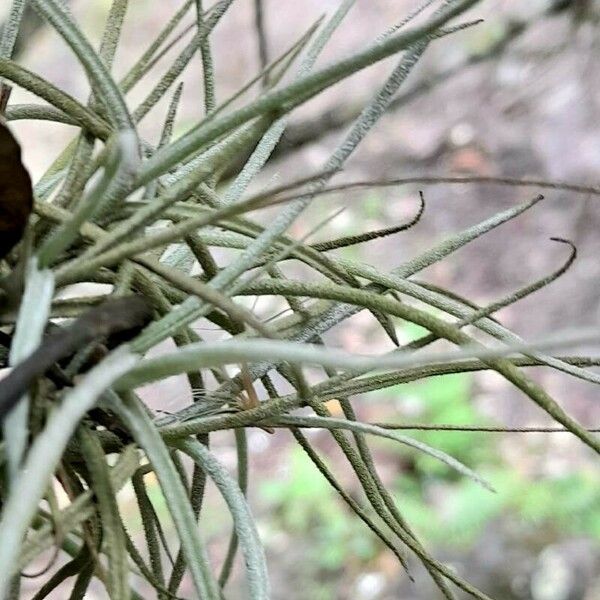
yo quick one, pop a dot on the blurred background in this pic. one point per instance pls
(516, 96)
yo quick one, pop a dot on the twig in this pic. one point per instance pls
(115, 316)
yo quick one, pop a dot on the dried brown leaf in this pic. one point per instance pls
(16, 195)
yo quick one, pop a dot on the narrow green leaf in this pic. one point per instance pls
(147, 436)
(293, 94)
(46, 451)
(245, 527)
(31, 322)
(11, 28)
(119, 171)
(211, 354)
(100, 79)
(113, 537)
(356, 426)
(78, 511)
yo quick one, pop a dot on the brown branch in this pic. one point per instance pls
(115, 317)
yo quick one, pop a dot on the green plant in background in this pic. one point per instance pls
(306, 503)
(446, 400)
(565, 503)
(107, 210)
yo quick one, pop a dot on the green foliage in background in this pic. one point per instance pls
(305, 506)
(304, 502)
(146, 219)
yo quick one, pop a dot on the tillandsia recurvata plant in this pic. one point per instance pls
(145, 219)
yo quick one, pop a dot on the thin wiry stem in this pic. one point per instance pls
(452, 180)
(367, 457)
(511, 298)
(351, 502)
(261, 38)
(275, 70)
(475, 428)
(184, 208)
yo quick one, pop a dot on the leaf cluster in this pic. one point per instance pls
(145, 220)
